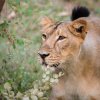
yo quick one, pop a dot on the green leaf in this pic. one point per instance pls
(3, 25)
(18, 1)
(20, 42)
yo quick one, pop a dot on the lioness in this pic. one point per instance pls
(73, 47)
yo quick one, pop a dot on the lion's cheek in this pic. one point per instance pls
(65, 52)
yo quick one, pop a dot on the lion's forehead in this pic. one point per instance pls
(56, 28)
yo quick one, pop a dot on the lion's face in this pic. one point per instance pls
(59, 42)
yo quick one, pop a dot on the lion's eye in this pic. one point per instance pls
(43, 36)
(61, 37)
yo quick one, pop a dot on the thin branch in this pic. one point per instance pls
(1, 4)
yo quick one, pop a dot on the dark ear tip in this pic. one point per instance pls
(78, 12)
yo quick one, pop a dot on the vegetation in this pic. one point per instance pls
(20, 40)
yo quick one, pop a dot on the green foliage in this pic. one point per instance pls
(19, 66)
(20, 42)
(3, 28)
(14, 3)
(3, 25)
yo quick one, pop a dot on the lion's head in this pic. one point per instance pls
(61, 40)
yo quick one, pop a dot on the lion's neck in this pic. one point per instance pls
(87, 60)
(81, 64)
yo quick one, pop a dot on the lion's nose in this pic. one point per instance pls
(43, 54)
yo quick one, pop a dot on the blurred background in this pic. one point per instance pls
(20, 37)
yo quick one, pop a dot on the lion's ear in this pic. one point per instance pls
(46, 21)
(78, 28)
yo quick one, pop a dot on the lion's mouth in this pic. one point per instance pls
(44, 63)
(51, 65)
(55, 65)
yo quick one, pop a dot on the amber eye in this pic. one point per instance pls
(61, 38)
(43, 36)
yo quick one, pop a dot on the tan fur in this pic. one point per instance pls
(79, 57)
